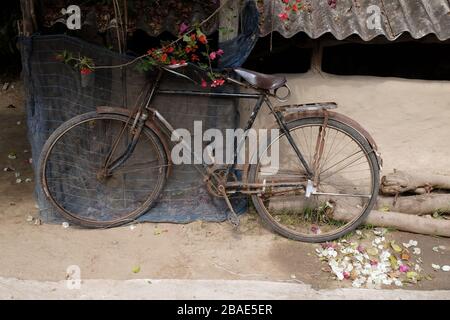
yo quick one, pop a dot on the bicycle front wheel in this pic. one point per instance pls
(72, 161)
(336, 201)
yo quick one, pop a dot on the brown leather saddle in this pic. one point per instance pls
(261, 80)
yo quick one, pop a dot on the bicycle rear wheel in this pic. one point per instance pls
(71, 162)
(345, 191)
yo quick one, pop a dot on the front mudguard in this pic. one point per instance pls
(150, 123)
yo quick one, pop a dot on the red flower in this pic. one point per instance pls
(85, 71)
(203, 39)
(193, 37)
(163, 57)
(188, 49)
(194, 58)
(283, 16)
(217, 83)
(182, 61)
(173, 61)
(169, 49)
(286, 1)
(204, 83)
(295, 8)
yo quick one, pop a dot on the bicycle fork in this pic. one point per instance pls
(136, 131)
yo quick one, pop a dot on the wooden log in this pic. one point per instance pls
(417, 205)
(401, 221)
(401, 182)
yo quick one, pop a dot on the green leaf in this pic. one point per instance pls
(187, 39)
(136, 269)
(396, 247)
(393, 261)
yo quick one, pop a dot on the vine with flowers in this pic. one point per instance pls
(290, 7)
(193, 47)
(83, 64)
(293, 7)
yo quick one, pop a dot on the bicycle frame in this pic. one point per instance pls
(261, 97)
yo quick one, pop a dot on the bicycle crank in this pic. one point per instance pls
(233, 218)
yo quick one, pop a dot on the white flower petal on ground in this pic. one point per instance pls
(436, 266)
(417, 251)
(446, 268)
(379, 231)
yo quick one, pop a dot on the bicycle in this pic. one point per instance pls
(326, 183)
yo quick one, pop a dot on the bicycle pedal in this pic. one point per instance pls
(234, 220)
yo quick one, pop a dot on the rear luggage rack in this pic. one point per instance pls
(306, 107)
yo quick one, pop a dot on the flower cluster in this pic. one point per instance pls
(81, 63)
(290, 7)
(192, 47)
(372, 264)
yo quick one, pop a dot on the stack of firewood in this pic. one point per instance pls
(418, 203)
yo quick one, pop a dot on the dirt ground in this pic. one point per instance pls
(166, 251)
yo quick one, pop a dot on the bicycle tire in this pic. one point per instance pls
(358, 138)
(65, 128)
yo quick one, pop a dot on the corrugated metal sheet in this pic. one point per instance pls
(418, 17)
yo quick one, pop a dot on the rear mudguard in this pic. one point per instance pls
(150, 123)
(331, 115)
(339, 118)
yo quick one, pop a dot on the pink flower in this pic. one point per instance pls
(212, 55)
(183, 28)
(346, 275)
(204, 83)
(404, 268)
(283, 16)
(329, 245)
(361, 249)
(315, 229)
(373, 262)
(219, 52)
